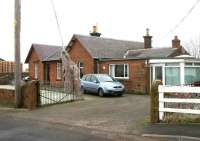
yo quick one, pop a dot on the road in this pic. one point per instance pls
(26, 130)
(95, 118)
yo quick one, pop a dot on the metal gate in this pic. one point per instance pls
(53, 93)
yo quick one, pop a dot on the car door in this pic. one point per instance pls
(94, 84)
(86, 83)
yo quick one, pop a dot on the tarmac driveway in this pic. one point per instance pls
(125, 114)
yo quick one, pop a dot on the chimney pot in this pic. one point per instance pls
(147, 31)
(94, 29)
(95, 32)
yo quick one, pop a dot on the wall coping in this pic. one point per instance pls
(7, 87)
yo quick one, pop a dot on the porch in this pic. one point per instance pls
(182, 70)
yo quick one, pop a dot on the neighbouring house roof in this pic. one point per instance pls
(150, 53)
(1, 59)
(154, 53)
(100, 47)
(45, 52)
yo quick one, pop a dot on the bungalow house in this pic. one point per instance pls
(45, 63)
(135, 64)
(127, 61)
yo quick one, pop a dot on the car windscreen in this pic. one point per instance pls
(105, 78)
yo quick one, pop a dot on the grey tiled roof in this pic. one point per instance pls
(100, 47)
(150, 53)
(46, 52)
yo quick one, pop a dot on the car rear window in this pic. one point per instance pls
(83, 78)
(88, 78)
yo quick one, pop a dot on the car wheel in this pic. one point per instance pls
(100, 92)
(83, 91)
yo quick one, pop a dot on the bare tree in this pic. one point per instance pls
(193, 47)
(71, 75)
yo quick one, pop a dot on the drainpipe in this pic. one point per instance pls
(96, 66)
(148, 86)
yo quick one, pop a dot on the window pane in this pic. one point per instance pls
(81, 67)
(36, 70)
(197, 64)
(81, 64)
(58, 70)
(158, 73)
(172, 76)
(192, 75)
(126, 70)
(188, 64)
(119, 70)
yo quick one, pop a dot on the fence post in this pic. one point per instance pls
(154, 117)
(38, 93)
(161, 105)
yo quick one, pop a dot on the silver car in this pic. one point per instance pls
(101, 84)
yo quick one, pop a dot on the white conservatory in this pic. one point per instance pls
(181, 70)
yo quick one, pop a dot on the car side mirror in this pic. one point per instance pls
(95, 81)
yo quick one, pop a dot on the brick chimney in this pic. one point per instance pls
(147, 40)
(176, 43)
(95, 32)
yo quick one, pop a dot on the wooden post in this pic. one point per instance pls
(17, 54)
(154, 117)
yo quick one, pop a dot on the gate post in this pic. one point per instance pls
(154, 111)
(38, 93)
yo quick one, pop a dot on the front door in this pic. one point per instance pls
(47, 73)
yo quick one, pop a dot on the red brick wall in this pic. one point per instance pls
(32, 60)
(7, 97)
(137, 81)
(79, 53)
(53, 72)
(29, 95)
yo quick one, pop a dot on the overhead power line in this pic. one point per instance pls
(57, 22)
(183, 19)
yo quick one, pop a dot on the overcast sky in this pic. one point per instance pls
(120, 19)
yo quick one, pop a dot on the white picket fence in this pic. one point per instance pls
(177, 89)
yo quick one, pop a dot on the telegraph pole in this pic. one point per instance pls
(17, 54)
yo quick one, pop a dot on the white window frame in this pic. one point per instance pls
(114, 71)
(36, 70)
(58, 70)
(80, 67)
(188, 66)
